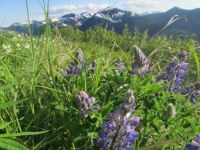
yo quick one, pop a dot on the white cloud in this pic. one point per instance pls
(140, 6)
(38, 18)
(59, 10)
(136, 6)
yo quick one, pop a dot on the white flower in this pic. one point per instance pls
(27, 46)
(6, 47)
(18, 45)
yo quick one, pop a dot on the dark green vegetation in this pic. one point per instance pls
(38, 104)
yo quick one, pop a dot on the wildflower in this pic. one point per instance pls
(79, 57)
(119, 132)
(18, 45)
(141, 64)
(120, 65)
(7, 48)
(86, 104)
(192, 90)
(27, 46)
(175, 72)
(179, 75)
(171, 111)
(72, 70)
(76, 67)
(195, 145)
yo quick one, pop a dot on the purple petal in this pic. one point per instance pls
(135, 121)
(195, 144)
(198, 138)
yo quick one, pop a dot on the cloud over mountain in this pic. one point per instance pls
(90, 7)
(139, 6)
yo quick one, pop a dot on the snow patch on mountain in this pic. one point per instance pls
(113, 15)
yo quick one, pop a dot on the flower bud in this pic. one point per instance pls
(171, 111)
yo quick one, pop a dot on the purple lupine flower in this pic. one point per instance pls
(86, 104)
(195, 145)
(119, 132)
(168, 75)
(175, 72)
(194, 95)
(141, 64)
(76, 67)
(120, 65)
(188, 89)
(72, 70)
(79, 57)
(178, 78)
(192, 90)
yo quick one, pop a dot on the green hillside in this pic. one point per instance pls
(47, 83)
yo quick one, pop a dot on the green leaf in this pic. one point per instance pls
(196, 59)
(4, 125)
(9, 104)
(10, 144)
(21, 134)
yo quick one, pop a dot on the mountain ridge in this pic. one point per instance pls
(117, 18)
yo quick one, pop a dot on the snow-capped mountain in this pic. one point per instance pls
(113, 15)
(108, 18)
(114, 18)
(75, 20)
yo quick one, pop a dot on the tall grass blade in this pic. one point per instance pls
(10, 144)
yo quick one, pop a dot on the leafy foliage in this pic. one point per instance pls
(35, 95)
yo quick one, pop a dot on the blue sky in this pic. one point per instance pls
(15, 11)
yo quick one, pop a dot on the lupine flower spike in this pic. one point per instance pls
(179, 75)
(175, 72)
(79, 57)
(86, 104)
(141, 64)
(192, 90)
(77, 65)
(119, 132)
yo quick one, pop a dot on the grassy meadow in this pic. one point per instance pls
(50, 90)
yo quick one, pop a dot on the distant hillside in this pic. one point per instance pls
(1, 30)
(117, 18)
(182, 27)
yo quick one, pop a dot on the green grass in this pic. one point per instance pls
(38, 104)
